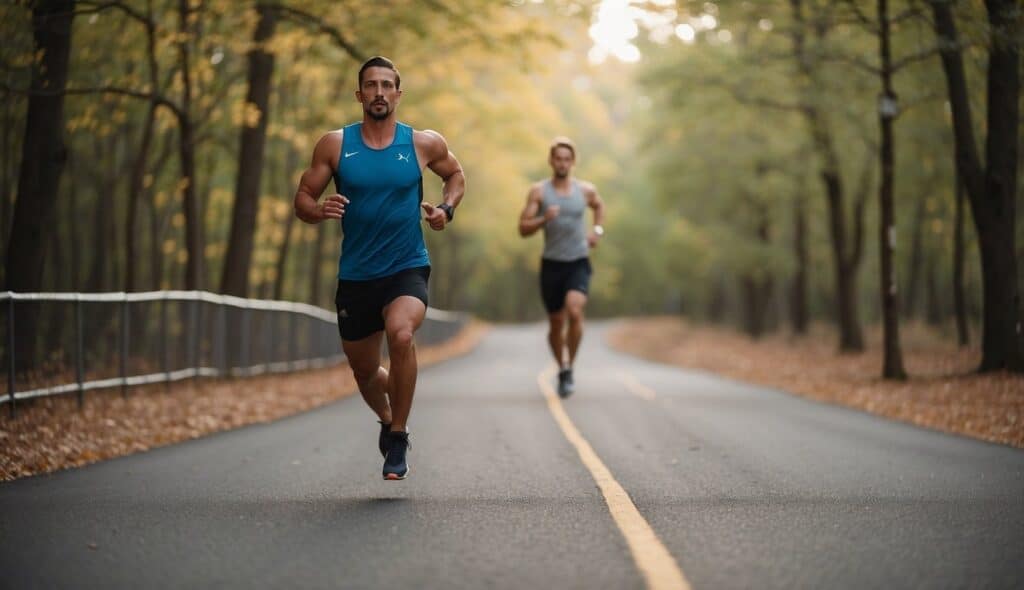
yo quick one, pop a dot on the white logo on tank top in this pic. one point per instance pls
(350, 154)
(403, 157)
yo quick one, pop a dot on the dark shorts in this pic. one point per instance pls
(558, 278)
(361, 304)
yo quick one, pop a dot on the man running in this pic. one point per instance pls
(557, 205)
(377, 167)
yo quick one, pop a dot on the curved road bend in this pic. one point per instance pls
(706, 482)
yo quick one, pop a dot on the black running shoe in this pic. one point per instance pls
(382, 440)
(565, 385)
(395, 465)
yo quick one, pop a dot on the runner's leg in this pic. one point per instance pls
(364, 358)
(575, 301)
(402, 317)
(556, 337)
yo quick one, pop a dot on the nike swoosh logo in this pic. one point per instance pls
(350, 154)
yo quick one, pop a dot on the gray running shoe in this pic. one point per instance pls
(565, 383)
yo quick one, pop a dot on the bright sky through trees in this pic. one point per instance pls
(617, 23)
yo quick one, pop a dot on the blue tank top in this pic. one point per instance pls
(381, 226)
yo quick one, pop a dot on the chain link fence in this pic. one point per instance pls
(61, 343)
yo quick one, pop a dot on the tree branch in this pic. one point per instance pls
(97, 7)
(304, 18)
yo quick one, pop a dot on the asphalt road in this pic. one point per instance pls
(743, 487)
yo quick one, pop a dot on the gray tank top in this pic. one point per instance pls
(565, 236)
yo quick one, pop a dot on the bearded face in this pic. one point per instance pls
(379, 93)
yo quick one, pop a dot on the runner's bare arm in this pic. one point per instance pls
(315, 179)
(529, 220)
(442, 162)
(595, 202)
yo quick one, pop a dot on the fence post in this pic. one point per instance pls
(10, 352)
(124, 347)
(165, 361)
(270, 341)
(79, 361)
(222, 339)
(291, 340)
(243, 342)
(194, 340)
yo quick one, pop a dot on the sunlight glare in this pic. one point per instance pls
(613, 29)
(686, 33)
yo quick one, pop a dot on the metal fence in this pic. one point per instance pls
(59, 343)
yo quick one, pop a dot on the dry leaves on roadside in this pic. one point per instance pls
(52, 433)
(943, 391)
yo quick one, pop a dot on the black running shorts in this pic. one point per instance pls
(361, 304)
(557, 278)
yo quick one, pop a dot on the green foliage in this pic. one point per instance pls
(699, 151)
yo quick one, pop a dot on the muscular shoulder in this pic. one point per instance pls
(328, 146)
(430, 143)
(588, 188)
(537, 189)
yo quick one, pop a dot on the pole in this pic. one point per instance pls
(79, 361)
(10, 352)
(124, 348)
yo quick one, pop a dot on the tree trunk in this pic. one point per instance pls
(156, 256)
(43, 155)
(73, 219)
(235, 278)
(910, 296)
(101, 268)
(1002, 301)
(43, 149)
(718, 306)
(138, 174)
(959, 298)
(282, 257)
(798, 314)
(134, 191)
(933, 309)
(845, 264)
(10, 103)
(186, 150)
(892, 363)
(315, 296)
(990, 188)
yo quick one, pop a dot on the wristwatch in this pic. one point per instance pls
(449, 211)
(599, 230)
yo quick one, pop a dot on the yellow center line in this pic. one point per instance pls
(635, 387)
(655, 563)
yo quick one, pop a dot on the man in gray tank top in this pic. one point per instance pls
(558, 205)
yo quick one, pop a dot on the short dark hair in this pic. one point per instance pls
(379, 61)
(562, 141)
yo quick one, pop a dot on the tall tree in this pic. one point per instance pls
(892, 357)
(846, 251)
(798, 313)
(959, 296)
(991, 184)
(187, 153)
(43, 150)
(138, 172)
(42, 160)
(235, 277)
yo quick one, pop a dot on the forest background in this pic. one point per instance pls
(738, 145)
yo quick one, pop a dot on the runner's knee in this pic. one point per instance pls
(556, 321)
(364, 372)
(400, 339)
